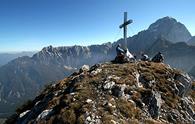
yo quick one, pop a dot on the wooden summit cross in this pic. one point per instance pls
(124, 26)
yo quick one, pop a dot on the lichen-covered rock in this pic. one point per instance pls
(141, 92)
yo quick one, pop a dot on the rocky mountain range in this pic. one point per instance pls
(22, 78)
(131, 93)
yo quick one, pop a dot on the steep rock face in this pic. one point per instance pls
(142, 92)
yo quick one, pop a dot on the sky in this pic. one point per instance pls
(30, 25)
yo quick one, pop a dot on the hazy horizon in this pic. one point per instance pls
(16, 52)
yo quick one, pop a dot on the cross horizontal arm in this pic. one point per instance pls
(126, 23)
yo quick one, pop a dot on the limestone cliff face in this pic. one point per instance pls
(141, 92)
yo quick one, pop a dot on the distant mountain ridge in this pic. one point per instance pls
(6, 57)
(23, 77)
(74, 56)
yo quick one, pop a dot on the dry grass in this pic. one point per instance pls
(68, 116)
(81, 119)
(147, 76)
(107, 119)
(127, 109)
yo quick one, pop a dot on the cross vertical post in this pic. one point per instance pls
(124, 26)
(125, 29)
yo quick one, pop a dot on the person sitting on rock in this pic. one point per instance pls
(158, 57)
(120, 54)
(120, 50)
(144, 57)
(123, 55)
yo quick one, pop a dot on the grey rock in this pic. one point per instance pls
(184, 84)
(24, 113)
(108, 85)
(94, 67)
(95, 72)
(116, 91)
(44, 114)
(155, 105)
(186, 105)
(84, 68)
(36, 110)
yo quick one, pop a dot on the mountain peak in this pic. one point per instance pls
(168, 18)
(114, 93)
(162, 21)
(173, 30)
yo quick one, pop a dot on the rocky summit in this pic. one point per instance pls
(131, 93)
